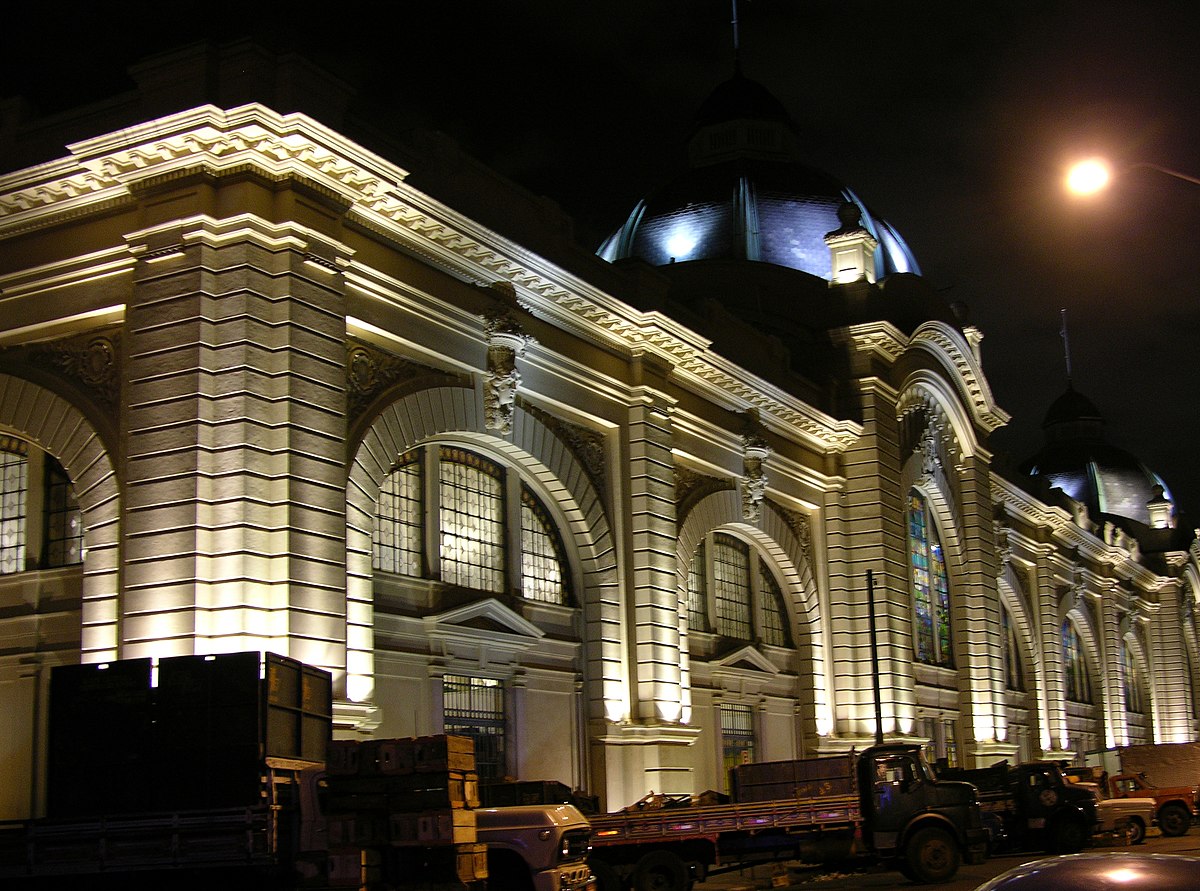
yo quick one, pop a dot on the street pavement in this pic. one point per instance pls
(799, 877)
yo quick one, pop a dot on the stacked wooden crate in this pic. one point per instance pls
(403, 810)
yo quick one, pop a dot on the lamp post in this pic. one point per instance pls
(1094, 174)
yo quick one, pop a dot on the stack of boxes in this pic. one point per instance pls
(404, 808)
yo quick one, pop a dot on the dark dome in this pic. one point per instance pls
(1079, 460)
(747, 197)
(740, 97)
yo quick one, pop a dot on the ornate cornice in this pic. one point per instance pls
(949, 346)
(883, 339)
(252, 138)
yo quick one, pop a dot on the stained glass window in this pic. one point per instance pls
(771, 609)
(14, 483)
(471, 499)
(930, 586)
(474, 707)
(1014, 672)
(728, 581)
(472, 515)
(1079, 684)
(541, 553)
(698, 592)
(64, 520)
(731, 587)
(1134, 698)
(398, 543)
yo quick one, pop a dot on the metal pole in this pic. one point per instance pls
(875, 659)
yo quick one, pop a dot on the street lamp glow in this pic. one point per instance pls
(1088, 177)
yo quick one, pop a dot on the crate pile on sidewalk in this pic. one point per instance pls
(404, 807)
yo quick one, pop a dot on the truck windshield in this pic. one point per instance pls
(924, 768)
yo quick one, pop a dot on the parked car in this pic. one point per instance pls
(1133, 816)
(1127, 871)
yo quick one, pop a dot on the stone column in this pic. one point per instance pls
(235, 422)
(658, 683)
(871, 537)
(977, 607)
(1169, 683)
(1052, 690)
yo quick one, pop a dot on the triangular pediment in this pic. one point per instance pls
(484, 616)
(747, 658)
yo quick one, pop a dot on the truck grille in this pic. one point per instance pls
(576, 845)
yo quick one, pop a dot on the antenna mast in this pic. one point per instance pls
(736, 47)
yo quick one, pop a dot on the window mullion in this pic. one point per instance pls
(710, 584)
(513, 564)
(431, 470)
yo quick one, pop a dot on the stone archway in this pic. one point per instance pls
(62, 430)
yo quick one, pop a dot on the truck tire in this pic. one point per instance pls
(1068, 835)
(507, 872)
(607, 876)
(1137, 831)
(1174, 819)
(660, 871)
(931, 855)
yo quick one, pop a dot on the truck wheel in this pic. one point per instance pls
(660, 871)
(507, 872)
(607, 877)
(931, 855)
(1174, 819)
(1068, 836)
(1137, 831)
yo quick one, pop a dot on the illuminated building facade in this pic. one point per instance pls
(262, 387)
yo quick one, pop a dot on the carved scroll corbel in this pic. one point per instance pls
(506, 341)
(754, 475)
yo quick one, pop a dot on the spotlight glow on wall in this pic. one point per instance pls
(681, 243)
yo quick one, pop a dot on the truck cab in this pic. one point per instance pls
(1031, 806)
(924, 824)
(536, 847)
(1176, 805)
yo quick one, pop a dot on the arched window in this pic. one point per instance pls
(478, 510)
(41, 531)
(930, 586)
(1134, 697)
(1079, 684)
(14, 486)
(733, 592)
(1014, 672)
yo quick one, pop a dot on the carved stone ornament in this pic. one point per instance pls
(692, 487)
(588, 446)
(754, 475)
(371, 371)
(801, 526)
(506, 341)
(1004, 550)
(91, 362)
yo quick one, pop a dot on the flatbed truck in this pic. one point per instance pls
(268, 800)
(1032, 807)
(884, 803)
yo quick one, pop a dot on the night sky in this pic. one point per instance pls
(952, 120)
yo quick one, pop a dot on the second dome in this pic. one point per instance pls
(748, 197)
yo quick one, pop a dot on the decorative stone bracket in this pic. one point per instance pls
(754, 476)
(506, 341)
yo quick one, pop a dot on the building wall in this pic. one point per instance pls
(227, 326)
